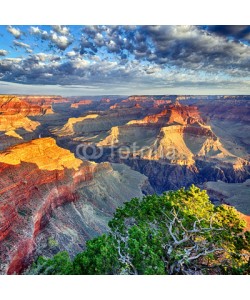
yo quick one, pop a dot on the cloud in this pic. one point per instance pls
(185, 47)
(63, 30)
(71, 54)
(21, 44)
(59, 37)
(190, 47)
(34, 69)
(136, 56)
(14, 31)
(43, 69)
(237, 32)
(3, 52)
(61, 41)
(43, 34)
(40, 69)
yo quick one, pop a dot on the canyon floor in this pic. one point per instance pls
(66, 164)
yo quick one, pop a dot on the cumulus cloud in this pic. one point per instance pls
(14, 31)
(61, 41)
(71, 54)
(110, 37)
(39, 32)
(63, 30)
(58, 37)
(3, 52)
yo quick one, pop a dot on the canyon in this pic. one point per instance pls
(52, 198)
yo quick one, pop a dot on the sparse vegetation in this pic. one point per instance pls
(181, 232)
(52, 243)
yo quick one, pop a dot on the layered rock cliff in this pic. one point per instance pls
(26, 106)
(39, 183)
(81, 103)
(35, 178)
(23, 118)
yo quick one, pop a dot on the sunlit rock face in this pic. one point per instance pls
(84, 102)
(20, 117)
(72, 125)
(44, 186)
(27, 105)
(42, 152)
(14, 114)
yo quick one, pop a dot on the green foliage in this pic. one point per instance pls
(99, 258)
(60, 264)
(179, 232)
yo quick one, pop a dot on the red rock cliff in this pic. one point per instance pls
(35, 178)
(25, 106)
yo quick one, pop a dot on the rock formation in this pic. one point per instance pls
(38, 180)
(26, 106)
(81, 103)
(72, 125)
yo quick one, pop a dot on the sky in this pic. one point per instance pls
(124, 60)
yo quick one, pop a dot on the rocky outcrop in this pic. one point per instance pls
(76, 222)
(13, 129)
(26, 106)
(96, 123)
(35, 178)
(81, 103)
(170, 144)
(73, 124)
(42, 152)
(13, 122)
(172, 114)
(40, 185)
(173, 148)
(17, 115)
